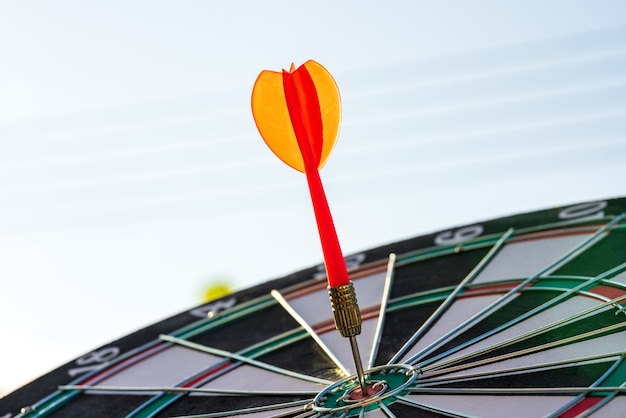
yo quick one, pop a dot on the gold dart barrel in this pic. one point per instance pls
(348, 322)
(345, 310)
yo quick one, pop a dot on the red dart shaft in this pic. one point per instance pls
(333, 257)
(305, 115)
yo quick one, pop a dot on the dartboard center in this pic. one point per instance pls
(373, 389)
(382, 383)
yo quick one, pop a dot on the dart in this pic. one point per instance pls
(297, 113)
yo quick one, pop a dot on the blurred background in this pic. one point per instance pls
(133, 180)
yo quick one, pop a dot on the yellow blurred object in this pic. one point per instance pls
(216, 291)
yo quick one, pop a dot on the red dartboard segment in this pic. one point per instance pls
(582, 406)
(608, 291)
(200, 379)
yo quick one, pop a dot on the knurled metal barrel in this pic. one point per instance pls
(345, 310)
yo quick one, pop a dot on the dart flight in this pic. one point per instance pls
(297, 112)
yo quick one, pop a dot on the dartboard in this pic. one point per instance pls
(519, 316)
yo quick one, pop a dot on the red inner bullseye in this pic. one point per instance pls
(373, 389)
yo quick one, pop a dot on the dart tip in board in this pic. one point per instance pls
(372, 389)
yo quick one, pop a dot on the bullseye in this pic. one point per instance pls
(346, 397)
(374, 389)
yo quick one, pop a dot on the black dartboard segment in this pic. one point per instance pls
(521, 315)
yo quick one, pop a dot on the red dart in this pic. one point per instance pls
(297, 112)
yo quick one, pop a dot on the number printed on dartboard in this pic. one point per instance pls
(457, 236)
(94, 361)
(591, 210)
(214, 308)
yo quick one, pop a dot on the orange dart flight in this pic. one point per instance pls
(297, 112)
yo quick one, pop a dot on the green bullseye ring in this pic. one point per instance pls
(394, 378)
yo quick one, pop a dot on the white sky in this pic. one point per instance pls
(131, 173)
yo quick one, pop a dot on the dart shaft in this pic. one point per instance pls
(359, 365)
(336, 270)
